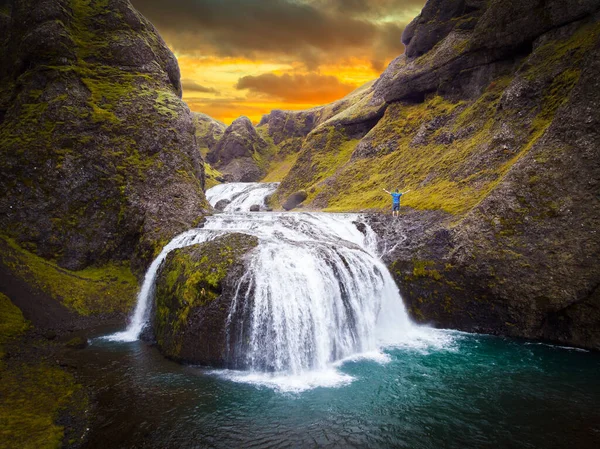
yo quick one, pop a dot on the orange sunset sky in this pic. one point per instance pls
(248, 57)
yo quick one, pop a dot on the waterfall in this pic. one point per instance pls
(141, 313)
(310, 304)
(315, 292)
(241, 196)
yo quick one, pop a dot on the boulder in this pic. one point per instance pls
(222, 204)
(255, 208)
(194, 291)
(244, 169)
(295, 199)
(77, 343)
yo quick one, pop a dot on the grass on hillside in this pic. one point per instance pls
(95, 290)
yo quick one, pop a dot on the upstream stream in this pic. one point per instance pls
(332, 359)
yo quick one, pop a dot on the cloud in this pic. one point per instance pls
(313, 31)
(296, 88)
(189, 85)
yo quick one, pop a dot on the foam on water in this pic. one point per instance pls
(289, 383)
(242, 196)
(316, 294)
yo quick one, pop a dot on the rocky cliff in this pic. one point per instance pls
(241, 153)
(208, 134)
(490, 118)
(99, 162)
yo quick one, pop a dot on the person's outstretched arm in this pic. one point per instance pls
(387, 191)
(404, 193)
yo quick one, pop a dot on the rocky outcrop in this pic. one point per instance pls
(490, 119)
(284, 125)
(519, 261)
(98, 158)
(239, 153)
(194, 292)
(208, 132)
(456, 48)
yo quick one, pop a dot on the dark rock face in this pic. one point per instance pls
(193, 296)
(437, 20)
(255, 208)
(239, 151)
(458, 47)
(98, 158)
(208, 132)
(295, 200)
(243, 169)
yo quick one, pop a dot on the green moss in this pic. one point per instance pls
(192, 277)
(32, 398)
(555, 52)
(95, 290)
(32, 395)
(166, 104)
(279, 169)
(212, 175)
(329, 150)
(423, 268)
(12, 323)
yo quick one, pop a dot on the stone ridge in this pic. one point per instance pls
(239, 153)
(472, 42)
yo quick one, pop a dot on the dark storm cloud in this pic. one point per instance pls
(312, 30)
(296, 88)
(372, 8)
(192, 86)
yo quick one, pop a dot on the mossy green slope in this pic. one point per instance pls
(107, 289)
(12, 322)
(33, 393)
(450, 153)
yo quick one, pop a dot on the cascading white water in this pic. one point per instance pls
(312, 303)
(315, 292)
(142, 310)
(242, 196)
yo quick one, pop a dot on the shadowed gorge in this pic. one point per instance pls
(183, 279)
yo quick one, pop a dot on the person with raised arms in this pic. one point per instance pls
(396, 201)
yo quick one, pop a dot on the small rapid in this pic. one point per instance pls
(315, 293)
(240, 197)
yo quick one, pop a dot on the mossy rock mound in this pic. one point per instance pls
(194, 291)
